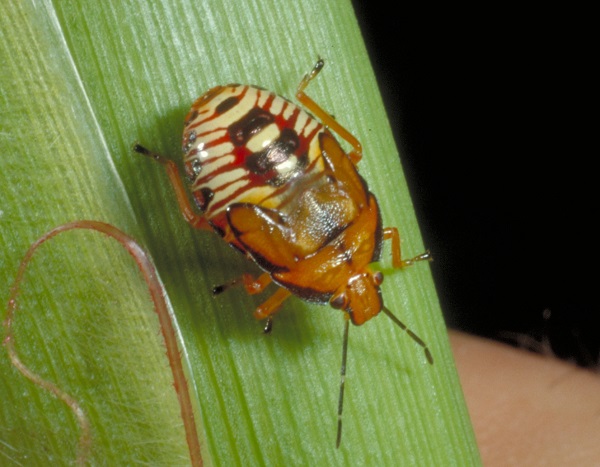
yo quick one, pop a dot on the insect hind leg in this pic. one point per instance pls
(356, 154)
(196, 220)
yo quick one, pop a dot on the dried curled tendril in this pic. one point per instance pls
(156, 291)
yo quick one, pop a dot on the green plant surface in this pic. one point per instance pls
(80, 82)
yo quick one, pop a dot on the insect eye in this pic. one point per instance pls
(339, 301)
(378, 278)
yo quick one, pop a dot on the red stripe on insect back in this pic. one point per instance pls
(209, 176)
(218, 205)
(223, 139)
(239, 154)
(269, 102)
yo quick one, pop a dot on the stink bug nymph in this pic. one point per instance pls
(273, 182)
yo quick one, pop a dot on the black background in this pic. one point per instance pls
(494, 113)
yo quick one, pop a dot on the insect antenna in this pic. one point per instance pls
(342, 381)
(410, 333)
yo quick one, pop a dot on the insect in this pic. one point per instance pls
(273, 182)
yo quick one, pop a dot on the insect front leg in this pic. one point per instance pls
(254, 286)
(251, 284)
(272, 305)
(391, 233)
(326, 118)
(196, 220)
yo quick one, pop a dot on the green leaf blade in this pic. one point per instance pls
(84, 81)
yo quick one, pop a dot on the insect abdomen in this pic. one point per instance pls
(243, 144)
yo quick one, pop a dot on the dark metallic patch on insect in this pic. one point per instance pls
(227, 104)
(188, 141)
(191, 117)
(265, 162)
(203, 198)
(196, 167)
(301, 165)
(249, 125)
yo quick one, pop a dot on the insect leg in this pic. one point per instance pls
(251, 284)
(391, 233)
(326, 118)
(272, 305)
(193, 218)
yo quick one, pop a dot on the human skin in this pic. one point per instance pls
(528, 409)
